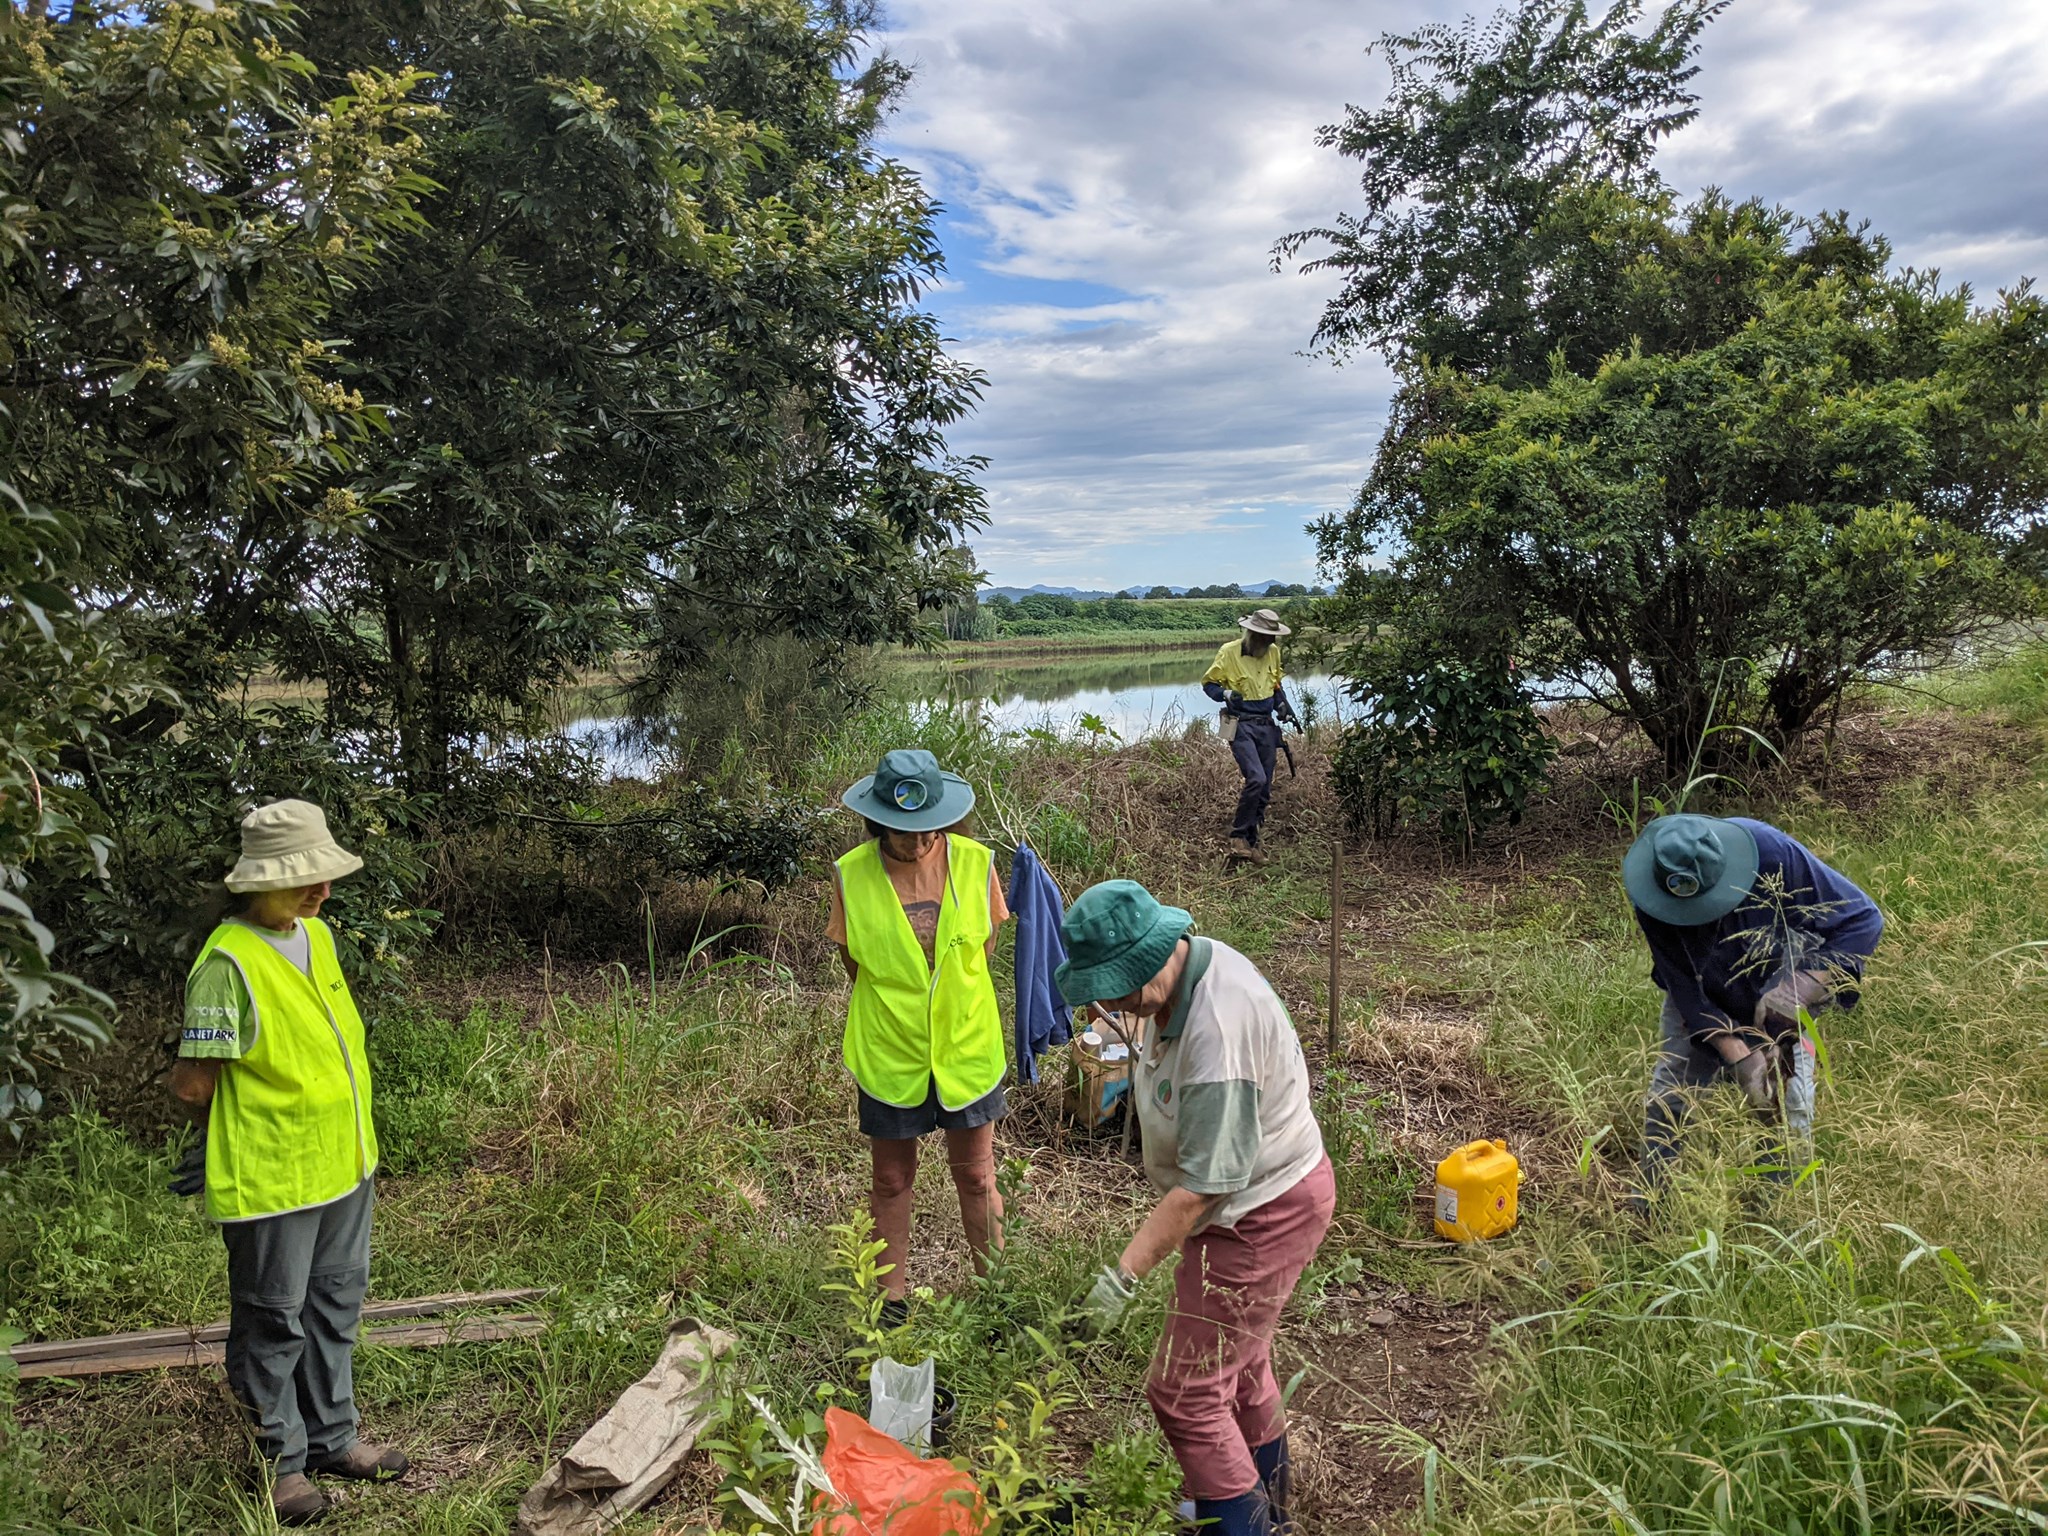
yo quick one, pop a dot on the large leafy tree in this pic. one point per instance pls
(1689, 458)
(655, 366)
(176, 213)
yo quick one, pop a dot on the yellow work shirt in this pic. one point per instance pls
(1250, 677)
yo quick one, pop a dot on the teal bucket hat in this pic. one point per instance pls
(1690, 870)
(910, 792)
(1118, 937)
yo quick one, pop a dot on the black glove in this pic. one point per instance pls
(189, 1176)
(1233, 701)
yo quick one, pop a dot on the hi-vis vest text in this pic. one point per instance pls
(908, 1022)
(290, 1126)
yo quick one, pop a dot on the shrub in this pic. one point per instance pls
(1448, 743)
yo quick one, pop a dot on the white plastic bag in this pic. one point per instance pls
(900, 1400)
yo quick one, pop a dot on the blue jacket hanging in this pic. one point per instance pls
(1041, 1013)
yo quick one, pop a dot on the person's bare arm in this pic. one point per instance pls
(1172, 1219)
(193, 1082)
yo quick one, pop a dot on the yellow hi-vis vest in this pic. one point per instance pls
(910, 1023)
(290, 1126)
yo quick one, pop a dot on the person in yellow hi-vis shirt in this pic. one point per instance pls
(914, 912)
(273, 1054)
(1245, 679)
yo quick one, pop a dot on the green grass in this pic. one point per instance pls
(1861, 1354)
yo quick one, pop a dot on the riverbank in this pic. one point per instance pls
(650, 1139)
(968, 653)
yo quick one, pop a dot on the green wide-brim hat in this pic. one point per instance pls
(1118, 937)
(910, 792)
(1690, 870)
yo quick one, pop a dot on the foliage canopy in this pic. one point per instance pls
(426, 356)
(1650, 448)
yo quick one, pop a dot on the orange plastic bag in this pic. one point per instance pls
(893, 1491)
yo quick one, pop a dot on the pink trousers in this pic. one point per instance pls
(1211, 1384)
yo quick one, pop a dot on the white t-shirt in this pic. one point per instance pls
(1222, 1089)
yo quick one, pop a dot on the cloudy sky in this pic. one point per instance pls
(1115, 172)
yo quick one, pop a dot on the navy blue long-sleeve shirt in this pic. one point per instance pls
(1799, 915)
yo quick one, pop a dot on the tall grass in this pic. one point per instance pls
(1804, 1360)
(644, 1159)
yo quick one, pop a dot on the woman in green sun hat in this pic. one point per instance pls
(1246, 1189)
(915, 909)
(1750, 935)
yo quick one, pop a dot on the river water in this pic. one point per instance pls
(1123, 697)
(1132, 695)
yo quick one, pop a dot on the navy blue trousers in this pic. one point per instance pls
(1255, 747)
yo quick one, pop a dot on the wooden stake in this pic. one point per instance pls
(1336, 942)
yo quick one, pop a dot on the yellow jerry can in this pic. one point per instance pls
(1475, 1191)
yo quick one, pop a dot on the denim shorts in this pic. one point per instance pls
(887, 1122)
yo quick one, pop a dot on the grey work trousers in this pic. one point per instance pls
(1685, 1067)
(295, 1288)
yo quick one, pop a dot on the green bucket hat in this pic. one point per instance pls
(909, 792)
(1118, 937)
(1690, 870)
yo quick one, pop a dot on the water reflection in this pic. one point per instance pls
(1131, 695)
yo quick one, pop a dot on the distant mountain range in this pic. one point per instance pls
(1251, 588)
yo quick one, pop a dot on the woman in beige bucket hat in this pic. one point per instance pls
(273, 1055)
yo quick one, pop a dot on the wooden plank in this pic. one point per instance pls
(212, 1333)
(426, 1335)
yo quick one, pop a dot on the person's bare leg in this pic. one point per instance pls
(972, 1156)
(889, 1201)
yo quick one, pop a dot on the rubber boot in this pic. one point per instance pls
(1249, 1514)
(1276, 1473)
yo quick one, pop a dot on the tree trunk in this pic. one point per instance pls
(408, 700)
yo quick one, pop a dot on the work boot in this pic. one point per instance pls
(364, 1463)
(1258, 854)
(1277, 1475)
(295, 1501)
(1241, 851)
(1249, 1514)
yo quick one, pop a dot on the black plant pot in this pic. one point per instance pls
(942, 1419)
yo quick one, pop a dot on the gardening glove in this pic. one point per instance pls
(1105, 1304)
(1779, 1009)
(1757, 1074)
(189, 1176)
(1233, 701)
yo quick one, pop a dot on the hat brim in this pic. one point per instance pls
(1130, 969)
(290, 871)
(1280, 633)
(956, 799)
(1738, 874)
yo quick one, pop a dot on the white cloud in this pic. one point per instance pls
(1117, 170)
